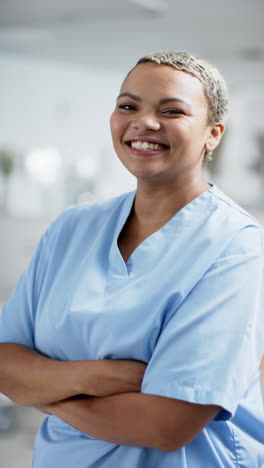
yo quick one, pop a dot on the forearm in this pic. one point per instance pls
(132, 419)
(30, 379)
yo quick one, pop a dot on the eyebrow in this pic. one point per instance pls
(162, 101)
(132, 96)
(174, 99)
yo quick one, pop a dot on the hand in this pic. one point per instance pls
(110, 377)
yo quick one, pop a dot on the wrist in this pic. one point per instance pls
(84, 376)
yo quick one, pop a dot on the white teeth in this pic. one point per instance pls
(145, 146)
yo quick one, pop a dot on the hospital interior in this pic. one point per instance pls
(61, 66)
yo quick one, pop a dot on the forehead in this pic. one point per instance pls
(150, 79)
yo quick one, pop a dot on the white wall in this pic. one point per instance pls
(41, 102)
(47, 104)
(238, 173)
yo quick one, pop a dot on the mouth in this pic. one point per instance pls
(146, 147)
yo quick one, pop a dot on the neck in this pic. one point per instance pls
(155, 204)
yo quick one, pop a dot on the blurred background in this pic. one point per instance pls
(61, 66)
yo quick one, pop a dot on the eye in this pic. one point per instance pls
(172, 112)
(126, 107)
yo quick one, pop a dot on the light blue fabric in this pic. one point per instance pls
(189, 301)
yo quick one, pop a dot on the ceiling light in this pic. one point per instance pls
(155, 6)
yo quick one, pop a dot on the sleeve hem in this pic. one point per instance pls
(194, 395)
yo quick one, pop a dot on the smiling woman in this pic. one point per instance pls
(137, 326)
(172, 112)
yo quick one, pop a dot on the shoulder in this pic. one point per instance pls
(247, 233)
(92, 210)
(83, 219)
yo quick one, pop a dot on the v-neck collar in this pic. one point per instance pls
(118, 268)
(117, 264)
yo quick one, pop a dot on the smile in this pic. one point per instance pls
(146, 146)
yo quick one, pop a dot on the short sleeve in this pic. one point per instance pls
(211, 346)
(18, 314)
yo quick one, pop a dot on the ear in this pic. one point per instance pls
(214, 136)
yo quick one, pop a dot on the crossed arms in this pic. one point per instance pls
(101, 398)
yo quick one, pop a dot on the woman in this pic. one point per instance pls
(137, 327)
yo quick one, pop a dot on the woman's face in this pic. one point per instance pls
(160, 123)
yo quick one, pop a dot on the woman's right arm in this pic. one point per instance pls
(31, 379)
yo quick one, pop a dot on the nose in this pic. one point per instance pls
(146, 121)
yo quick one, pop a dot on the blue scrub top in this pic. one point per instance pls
(189, 302)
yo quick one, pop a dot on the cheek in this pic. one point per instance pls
(112, 123)
(116, 126)
(188, 134)
(179, 133)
